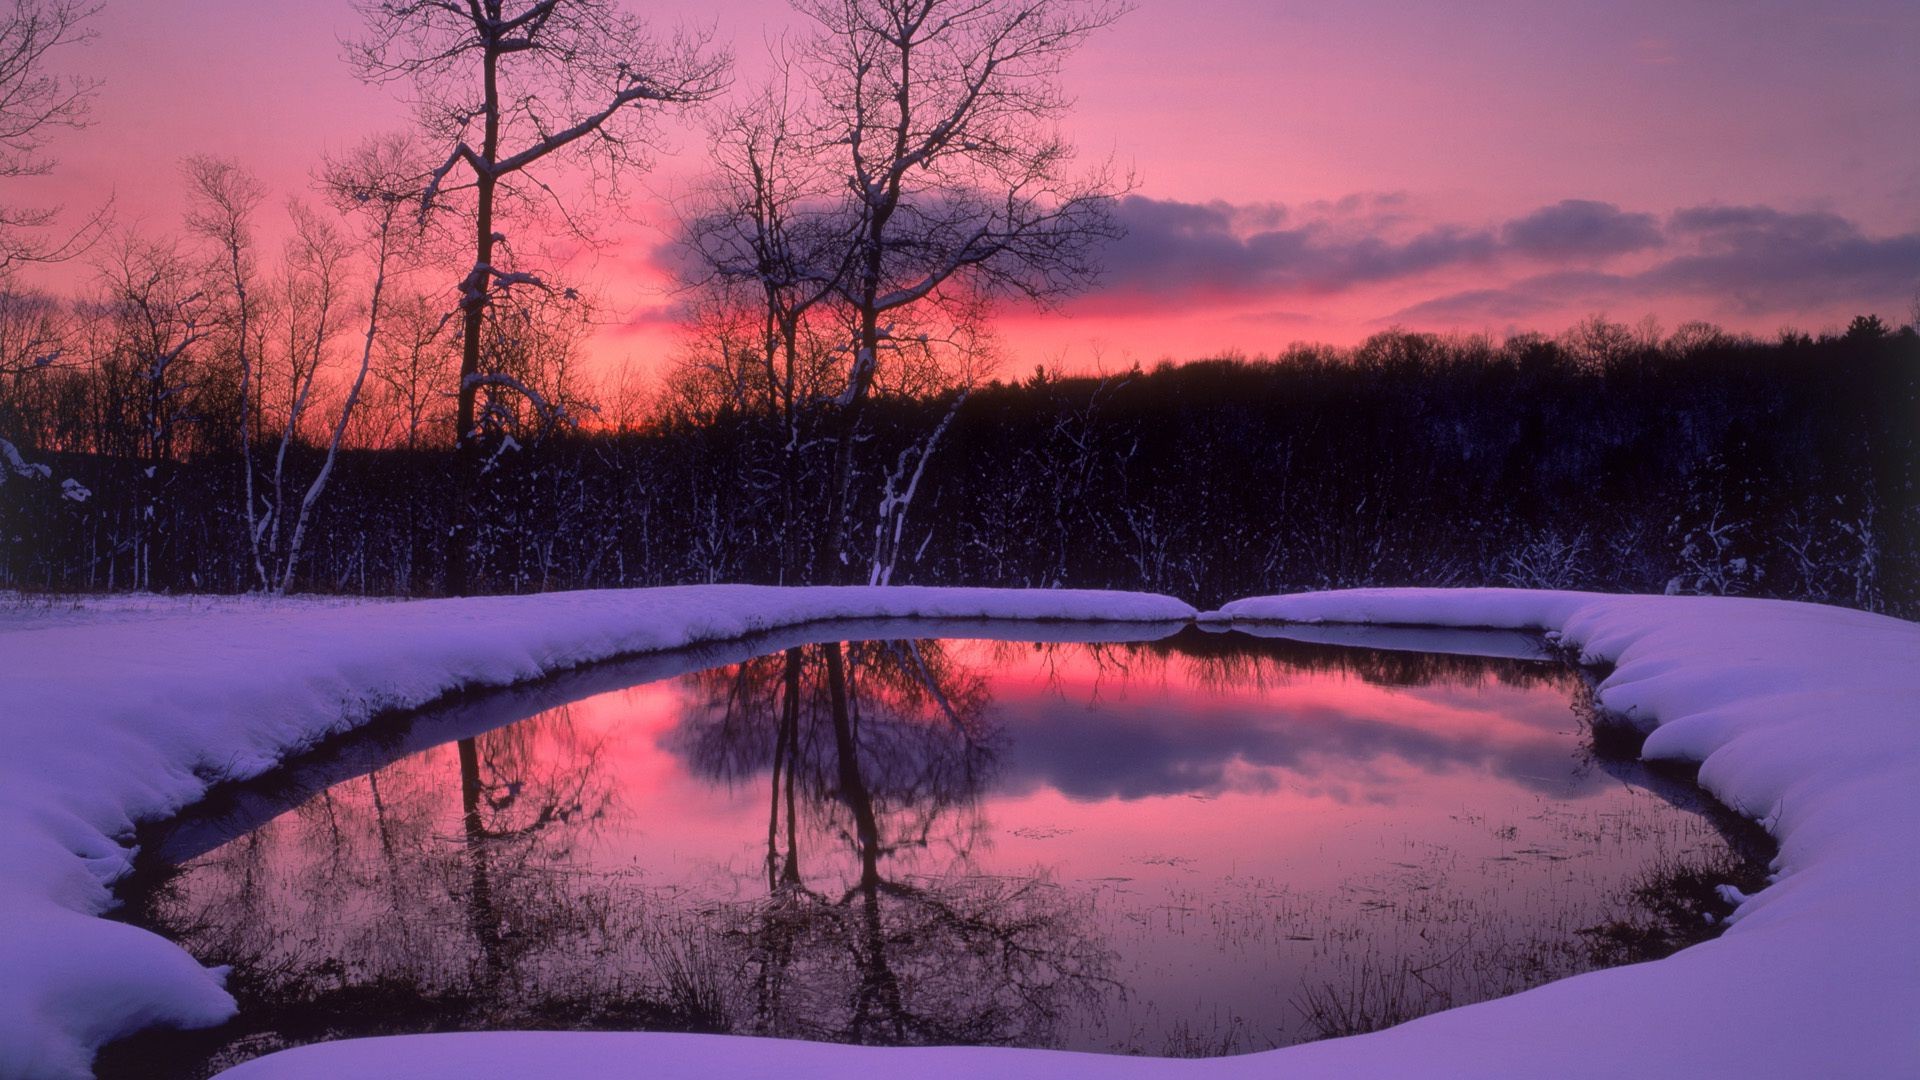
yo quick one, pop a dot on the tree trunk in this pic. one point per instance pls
(473, 306)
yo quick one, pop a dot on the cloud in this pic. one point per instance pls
(1744, 260)
(1277, 267)
(1187, 252)
(1765, 259)
(1736, 261)
(1180, 250)
(1573, 228)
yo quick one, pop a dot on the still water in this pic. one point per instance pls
(1205, 844)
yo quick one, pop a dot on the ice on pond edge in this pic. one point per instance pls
(1803, 717)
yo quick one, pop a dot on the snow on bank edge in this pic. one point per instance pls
(114, 713)
(1805, 717)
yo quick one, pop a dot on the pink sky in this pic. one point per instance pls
(1305, 172)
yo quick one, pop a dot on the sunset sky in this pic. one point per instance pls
(1304, 172)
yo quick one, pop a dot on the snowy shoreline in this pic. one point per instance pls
(1803, 717)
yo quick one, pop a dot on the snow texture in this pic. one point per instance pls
(1804, 717)
(125, 710)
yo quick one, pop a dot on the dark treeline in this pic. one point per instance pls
(1699, 464)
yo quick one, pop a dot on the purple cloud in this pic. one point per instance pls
(1575, 228)
(1746, 260)
(1178, 250)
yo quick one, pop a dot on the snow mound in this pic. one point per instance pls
(124, 710)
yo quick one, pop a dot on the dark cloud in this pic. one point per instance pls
(1763, 260)
(1179, 250)
(1736, 222)
(1739, 260)
(1745, 260)
(1577, 228)
(1270, 261)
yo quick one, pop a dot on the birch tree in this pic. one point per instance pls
(312, 294)
(513, 93)
(371, 186)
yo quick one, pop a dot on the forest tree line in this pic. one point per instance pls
(1605, 458)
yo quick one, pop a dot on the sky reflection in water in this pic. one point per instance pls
(1204, 845)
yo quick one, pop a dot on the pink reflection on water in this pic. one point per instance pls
(1204, 842)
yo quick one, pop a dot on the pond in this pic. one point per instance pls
(1208, 843)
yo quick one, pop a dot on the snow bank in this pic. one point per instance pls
(118, 711)
(1803, 716)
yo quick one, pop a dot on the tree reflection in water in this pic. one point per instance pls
(877, 748)
(1105, 846)
(393, 903)
(359, 899)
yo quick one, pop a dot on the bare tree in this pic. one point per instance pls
(162, 316)
(372, 184)
(533, 385)
(159, 317)
(414, 363)
(311, 295)
(624, 403)
(34, 104)
(941, 114)
(34, 332)
(1597, 343)
(771, 239)
(224, 197)
(507, 85)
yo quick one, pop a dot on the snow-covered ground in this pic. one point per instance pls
(1807, 718)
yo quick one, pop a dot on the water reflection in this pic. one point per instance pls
(1207, 843)
(869, 750)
